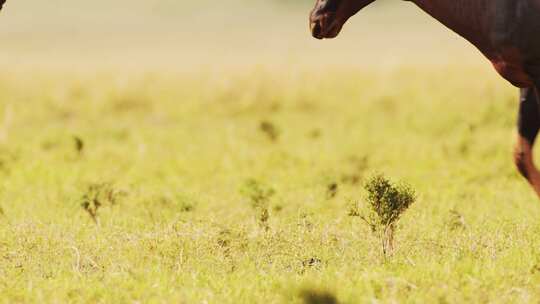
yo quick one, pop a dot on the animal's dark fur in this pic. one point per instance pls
(2, 3)
(507, 32)
(529, 115)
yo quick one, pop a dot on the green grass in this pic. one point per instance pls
(168, 158)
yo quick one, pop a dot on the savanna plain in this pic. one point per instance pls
(178, 152)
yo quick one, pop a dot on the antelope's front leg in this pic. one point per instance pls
(528, 126)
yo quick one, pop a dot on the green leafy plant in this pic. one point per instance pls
(387, 202)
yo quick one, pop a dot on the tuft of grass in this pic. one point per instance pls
(353, 208)
(259, 197)
(387, 202)
(456, 220)
(270, 129)
(178, 202)
(331, 190)
(310, 263)
(96, 196)
(79, 144)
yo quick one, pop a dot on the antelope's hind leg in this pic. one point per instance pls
(528, 126)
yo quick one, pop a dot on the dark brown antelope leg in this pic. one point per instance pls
(528, 126)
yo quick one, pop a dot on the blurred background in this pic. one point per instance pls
(183, 35)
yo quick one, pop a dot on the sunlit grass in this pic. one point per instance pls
(168, 158)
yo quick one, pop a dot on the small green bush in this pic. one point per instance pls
(387, 202)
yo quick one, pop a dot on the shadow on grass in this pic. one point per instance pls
(313, 296)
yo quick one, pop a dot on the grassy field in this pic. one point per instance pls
(128, 176)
